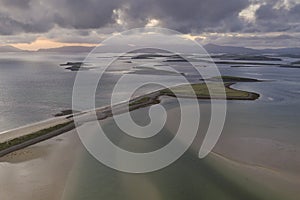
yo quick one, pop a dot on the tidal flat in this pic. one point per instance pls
(77, 175)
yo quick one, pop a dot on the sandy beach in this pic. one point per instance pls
(47, 167)
(39, 171)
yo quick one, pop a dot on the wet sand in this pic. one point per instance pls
(60, 168)
(39, 171)
(49, 171)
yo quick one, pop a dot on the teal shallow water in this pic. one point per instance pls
(193, 178)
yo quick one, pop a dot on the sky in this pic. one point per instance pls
(35, 24)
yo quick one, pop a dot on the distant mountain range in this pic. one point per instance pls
(66, 49)
(210, 48)
(9, 49)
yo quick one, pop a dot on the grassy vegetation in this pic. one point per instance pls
(139, 101)
(233, 79)
(216, 92)
(25, 138)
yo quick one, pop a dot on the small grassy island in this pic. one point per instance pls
(246, 57)
(202, 92)
(238, 62)
(154, 55)
(233, 79)
(74, 66)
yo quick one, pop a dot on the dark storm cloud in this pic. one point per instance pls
(186, 16)
(19, 16)
(190, 15)
(270, 18)
(66, 19)
(34, 16)
(261, 41)
(10, 26)
(86, 14)
(22, 4)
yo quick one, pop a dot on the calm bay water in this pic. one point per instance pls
(32, 88)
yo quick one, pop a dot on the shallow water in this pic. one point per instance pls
(191, 177)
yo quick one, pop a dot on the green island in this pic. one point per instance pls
(75, 66)
(224, 62)
(247, 57)
(217, 92)
(233, 79)
(201, 91)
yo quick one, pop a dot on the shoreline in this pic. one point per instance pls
(16, 139)
(32, 127)
(34, 138)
